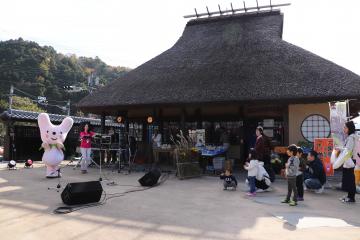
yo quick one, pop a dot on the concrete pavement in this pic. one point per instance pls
(177, 209)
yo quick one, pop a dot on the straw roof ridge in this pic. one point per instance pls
(233, 58)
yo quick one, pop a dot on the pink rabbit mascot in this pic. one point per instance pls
(53, 137)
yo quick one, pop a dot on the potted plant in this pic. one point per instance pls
(186, 157)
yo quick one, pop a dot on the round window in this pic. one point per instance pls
(315, 126)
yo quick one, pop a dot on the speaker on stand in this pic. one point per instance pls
(122, 149)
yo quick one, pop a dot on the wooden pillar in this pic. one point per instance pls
(144, 131)
(286, 125)
(182, 121)
(242, 135)
(198, 117)
(160, 122)
(103, 123)
(155, 117)
(7, 142)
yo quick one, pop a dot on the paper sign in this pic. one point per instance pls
(324, 148)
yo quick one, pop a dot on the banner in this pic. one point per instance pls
(324, 148)
(338, 113)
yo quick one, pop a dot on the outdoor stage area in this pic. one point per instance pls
(176, 209)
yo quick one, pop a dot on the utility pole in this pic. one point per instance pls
(10, 98)
(68, 107)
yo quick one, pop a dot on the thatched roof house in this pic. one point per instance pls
(234, 58)
(234, 68)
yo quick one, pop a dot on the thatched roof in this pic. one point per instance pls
(234, 58)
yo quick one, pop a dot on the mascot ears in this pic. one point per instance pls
(44, 122)
(66, 124)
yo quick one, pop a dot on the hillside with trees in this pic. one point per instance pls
(41, 71)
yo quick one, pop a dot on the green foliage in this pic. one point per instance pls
(305, 144)
(21, 103)
(41, 71)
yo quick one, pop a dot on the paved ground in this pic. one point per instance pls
(177, 209)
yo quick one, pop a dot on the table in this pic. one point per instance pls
(158, 150)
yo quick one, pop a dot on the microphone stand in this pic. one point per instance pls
(58, 186)
(100, 172)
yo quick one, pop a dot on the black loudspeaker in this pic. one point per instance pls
(151, 178)
(82, 193)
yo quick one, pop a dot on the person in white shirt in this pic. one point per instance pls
(252, 168)
(348, 163)
(156, 138)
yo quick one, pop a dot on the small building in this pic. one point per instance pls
(233, 71)
(22, 140)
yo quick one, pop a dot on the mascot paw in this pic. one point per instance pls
(60, 145)
(45, 145)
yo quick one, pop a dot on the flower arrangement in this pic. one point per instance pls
(184, 147)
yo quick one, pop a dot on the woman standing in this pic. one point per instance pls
(85, 147)
(348, 178)
(263, 151)
(262, 146)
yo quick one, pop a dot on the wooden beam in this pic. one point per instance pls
(103, 116)
(182, 120)
(233, 11)
(198, 118)
(286, 125)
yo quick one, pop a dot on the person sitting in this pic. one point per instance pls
(229, 180)
(262, 181)
(314, 175)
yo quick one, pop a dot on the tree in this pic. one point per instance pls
(21, 103)
(41, 71)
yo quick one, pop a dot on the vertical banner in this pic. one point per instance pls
(338, 118)
(324, 148)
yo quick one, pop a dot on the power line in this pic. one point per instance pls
(28, 94)
(35, 99)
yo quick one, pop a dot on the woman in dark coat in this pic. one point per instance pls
(263, 151)
(262, 146)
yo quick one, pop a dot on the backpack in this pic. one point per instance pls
(338, 159)
(356, 152)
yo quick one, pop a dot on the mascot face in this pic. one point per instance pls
(53, 134)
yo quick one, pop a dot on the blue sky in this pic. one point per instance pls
(130, 32)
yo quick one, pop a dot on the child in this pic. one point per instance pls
(262, 181)
(291, 170)
(229, 180)
(252, 168)
(300, 176)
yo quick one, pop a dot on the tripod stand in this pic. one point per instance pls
(58, 186)
(122, 155)
(81, 159)
(105, 143)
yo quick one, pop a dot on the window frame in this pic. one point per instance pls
(323, 118)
